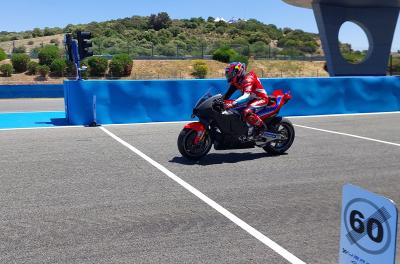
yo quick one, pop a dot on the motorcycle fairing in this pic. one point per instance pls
(271, 110)
(196, 126)
(199, 128)
(281, 100)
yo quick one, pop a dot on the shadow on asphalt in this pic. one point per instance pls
(221, 158)
(55, 122)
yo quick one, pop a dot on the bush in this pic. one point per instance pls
(58, 67)
(240, 58)
(126, 62)
(20, 49)
(116, 68)
(55, 41)
(3, 55)
(48, 54)
(71, 69)
(166, 50)
(224, 54)
(97, 66)
(7, 70)
(20, 62)
(200, 69)
(43, 70)
(30, 42)
(32, 67)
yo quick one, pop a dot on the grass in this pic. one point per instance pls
(7, 46)
(182, 69)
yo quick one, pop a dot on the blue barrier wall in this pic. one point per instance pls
(158, 101)
(31, 91)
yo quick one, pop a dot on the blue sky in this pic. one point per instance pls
(27, 14)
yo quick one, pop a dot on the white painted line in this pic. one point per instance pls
(31, 99)
(34, 128)
(34, 112)
(340, 115)
(349, 135)
(150, 123)
(262, 238)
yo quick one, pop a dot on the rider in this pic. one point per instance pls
(253, 95)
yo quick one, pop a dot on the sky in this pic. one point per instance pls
(27, 14)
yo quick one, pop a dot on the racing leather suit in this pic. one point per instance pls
(253, 94)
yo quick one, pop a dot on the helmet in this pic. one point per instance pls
(234, 71)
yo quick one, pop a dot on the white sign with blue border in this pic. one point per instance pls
(368, 228)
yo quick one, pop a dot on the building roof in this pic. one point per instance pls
(347, 3)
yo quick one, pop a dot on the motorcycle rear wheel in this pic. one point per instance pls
(286, 129)
(190, 150)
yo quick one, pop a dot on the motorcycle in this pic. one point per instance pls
(227, 129)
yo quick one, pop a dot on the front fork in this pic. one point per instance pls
(200, 130)
(199, 137)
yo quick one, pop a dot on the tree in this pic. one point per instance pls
(159, 21)
(259, 48)
(166, 50)
(37, 32)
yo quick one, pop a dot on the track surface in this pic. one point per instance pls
(31, 105)
(75, 195)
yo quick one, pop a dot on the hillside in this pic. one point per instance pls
(162, 36)
(32, 43)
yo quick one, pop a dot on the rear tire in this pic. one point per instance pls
(190, 150)
(284, 127)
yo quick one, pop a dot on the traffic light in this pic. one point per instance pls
(68, 47)
(85, 44)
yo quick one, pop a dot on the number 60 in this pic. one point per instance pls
(357, 217)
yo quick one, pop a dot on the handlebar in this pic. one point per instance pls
(218, 105)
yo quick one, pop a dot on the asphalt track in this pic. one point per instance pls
(31, 105)
(76, 195)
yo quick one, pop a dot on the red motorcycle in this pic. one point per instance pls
(227, 129)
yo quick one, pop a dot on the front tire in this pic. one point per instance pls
(286, 129)
(190, 150)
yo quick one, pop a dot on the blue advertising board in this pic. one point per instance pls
(172, 100)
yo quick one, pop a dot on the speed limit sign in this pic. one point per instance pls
(368, 227)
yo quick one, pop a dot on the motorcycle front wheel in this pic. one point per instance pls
(285, 128)
(189, 149)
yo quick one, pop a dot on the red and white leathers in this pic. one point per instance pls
(253, 93)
